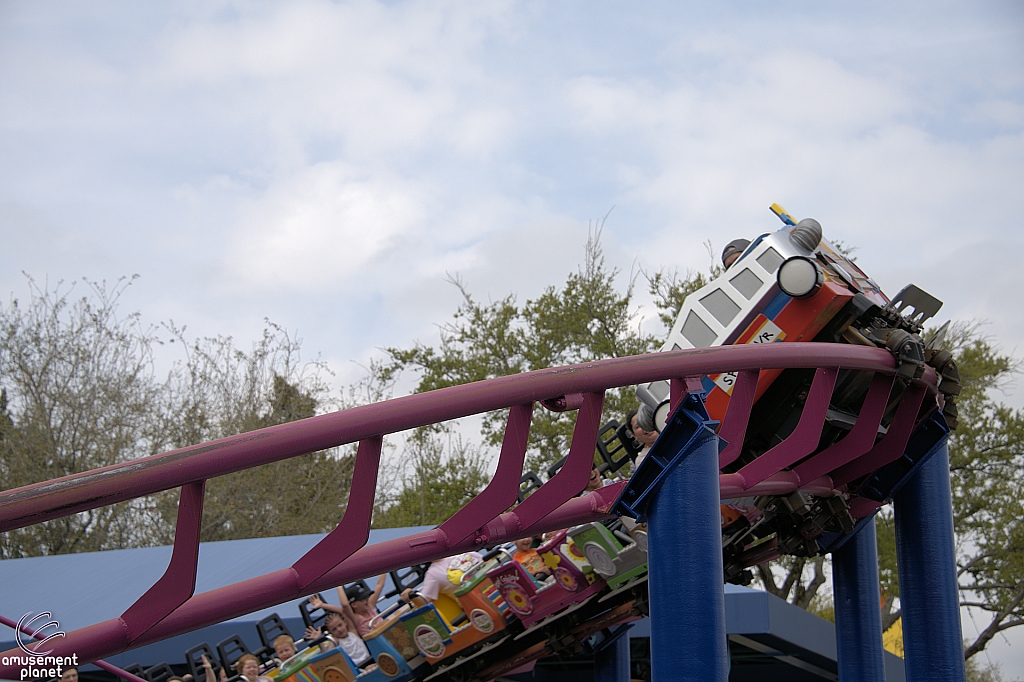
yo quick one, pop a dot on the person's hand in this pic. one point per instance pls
(315, 601)
(208, 669)
(312, 633)
(406, 595)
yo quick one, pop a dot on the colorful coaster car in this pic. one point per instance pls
(786, 286)
(429, 630)
(453, 626)
(479, 598)
(313, 665)
(573, 580)
(615, 557)
(392, 665)
(388, 637)
(334, 665)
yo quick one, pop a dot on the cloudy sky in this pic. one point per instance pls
(325, 164)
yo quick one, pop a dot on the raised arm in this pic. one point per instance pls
(208, 667)
(318, 603)
(346, 607)
(372, 600)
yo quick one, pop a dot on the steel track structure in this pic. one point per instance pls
(170, 606)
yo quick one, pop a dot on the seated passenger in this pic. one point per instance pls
(208, 669)
(284, 647)
(529, 559)
(645, 438)
(436, 579)
(341, 635)
(596, 480)
(734, 250)
(358, 604)
(248, 666)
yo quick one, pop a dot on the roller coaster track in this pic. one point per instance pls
(171, 608)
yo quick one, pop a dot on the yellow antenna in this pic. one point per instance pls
(783, 215)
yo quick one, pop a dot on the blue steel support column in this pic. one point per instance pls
(687, 592)
(858, 612)
(611, 663)
(932, 640)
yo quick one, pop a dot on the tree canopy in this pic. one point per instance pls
(437, 474)
(78, 391)
(220, 391)
(986, 454)
(588, 318)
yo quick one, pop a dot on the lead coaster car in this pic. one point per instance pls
(794, 285)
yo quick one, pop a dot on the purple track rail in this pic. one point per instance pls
(171, 608)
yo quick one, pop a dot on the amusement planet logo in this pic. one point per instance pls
(39, 664)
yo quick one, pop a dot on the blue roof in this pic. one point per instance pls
(90, 587)
(773, 637)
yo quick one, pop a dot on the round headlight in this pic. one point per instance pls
(661, 416)
(800, 277)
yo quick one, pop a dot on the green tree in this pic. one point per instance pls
(586, 319)
(439, 474)
(986, 455)
(221, 391)
(78, 391)
(987, 465)
(980, 672)
(78, 383)
(670, 290)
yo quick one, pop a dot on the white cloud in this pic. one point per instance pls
(373, 77)
(321, 225)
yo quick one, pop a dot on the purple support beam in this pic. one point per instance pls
(501, 493)
(932, 639)
(737, 415)
(858, 614)
(572, 478)
(860, 439)
(678, 388)
(354, 529)
(208, 608)
(178, 582)
(893, 443)
(781, 483)
(804, 439)
(88, 490)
